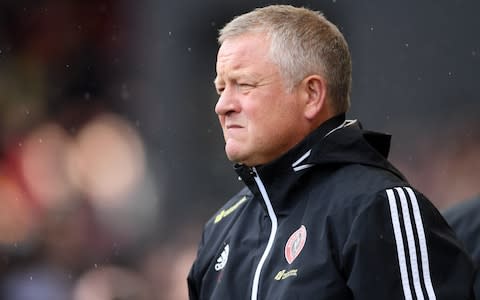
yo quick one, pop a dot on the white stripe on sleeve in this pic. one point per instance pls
(410, 231)
(412, 251)
(399, 242)
(423, 245)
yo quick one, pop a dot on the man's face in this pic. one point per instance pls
(260, 118)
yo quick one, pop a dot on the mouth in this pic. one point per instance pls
(233, 126)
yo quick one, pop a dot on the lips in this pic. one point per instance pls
(233, 126)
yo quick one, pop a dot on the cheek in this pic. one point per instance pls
(221, 120)
(264, 127)
(281, 122)
(266, 115)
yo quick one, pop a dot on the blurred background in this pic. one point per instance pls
(111, 158)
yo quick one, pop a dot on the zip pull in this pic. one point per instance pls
(252, 171)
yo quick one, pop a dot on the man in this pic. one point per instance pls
(464, 218)
(323, 215)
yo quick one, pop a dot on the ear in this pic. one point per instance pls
(314, 90)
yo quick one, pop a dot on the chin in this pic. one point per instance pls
(235, 157)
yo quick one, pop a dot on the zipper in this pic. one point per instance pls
(273, 232)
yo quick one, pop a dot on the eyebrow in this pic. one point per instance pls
(216, 80)
(237, 74)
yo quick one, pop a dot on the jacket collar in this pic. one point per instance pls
(336, 142)
(279, 175)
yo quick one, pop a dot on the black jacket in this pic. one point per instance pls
(330, 219)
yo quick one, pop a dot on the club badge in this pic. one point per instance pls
(295, 244)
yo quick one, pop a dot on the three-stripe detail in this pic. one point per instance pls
(411, 244)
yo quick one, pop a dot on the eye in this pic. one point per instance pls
(245, 86)
(220, 90)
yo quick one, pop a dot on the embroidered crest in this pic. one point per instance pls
(222, 259)
(295, 244)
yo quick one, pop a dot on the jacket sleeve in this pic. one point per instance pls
(400, 247)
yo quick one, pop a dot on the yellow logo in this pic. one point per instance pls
(284, 274)
(228, 211)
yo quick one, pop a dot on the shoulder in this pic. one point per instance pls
(224, 217)
(354, 186)
(231, 206)
(358, 197)
(217, 227)
(357, 193)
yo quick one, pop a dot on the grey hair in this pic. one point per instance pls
(302, 43)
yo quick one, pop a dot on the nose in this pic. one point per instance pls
(227, 103)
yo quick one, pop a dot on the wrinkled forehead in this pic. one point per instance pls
(248, 55)
(243, 49)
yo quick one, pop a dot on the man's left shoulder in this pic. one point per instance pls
(362, 183)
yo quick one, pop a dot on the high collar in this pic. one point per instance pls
(336, 142)
(279, 175)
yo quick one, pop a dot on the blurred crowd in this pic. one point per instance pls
(83, 208)
(80, 208)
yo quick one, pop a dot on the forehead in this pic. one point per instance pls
(247, 51)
